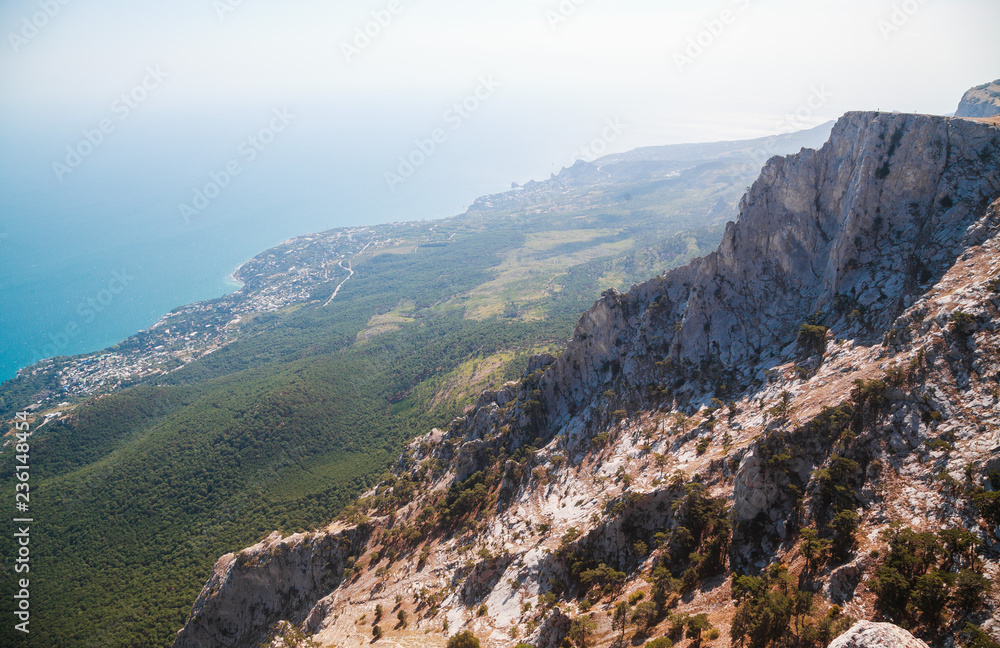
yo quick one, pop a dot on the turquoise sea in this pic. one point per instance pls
(89, 259)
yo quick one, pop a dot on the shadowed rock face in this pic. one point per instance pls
(877, 635)
(981, 101)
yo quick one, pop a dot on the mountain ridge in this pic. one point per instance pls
(847, 264)
(784, 261)
(301, 269)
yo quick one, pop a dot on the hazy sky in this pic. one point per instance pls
(576, 61)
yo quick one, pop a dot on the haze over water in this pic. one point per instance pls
(103, 250)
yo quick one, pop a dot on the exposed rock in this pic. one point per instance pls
(981, 101)
(881, 209)
(470, 457)
(754, 491)
(278, 579)
(844, 581)
(552, 632)
(866, 634)
(483, 578)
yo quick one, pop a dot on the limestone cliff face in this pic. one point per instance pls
(889, 235)
(276, 579)
(866, 221)
(981, 101)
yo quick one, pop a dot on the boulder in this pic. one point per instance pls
(866, 634)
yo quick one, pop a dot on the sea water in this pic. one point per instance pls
(91, 256)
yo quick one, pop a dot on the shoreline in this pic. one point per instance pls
(229, 280)
(236, 280)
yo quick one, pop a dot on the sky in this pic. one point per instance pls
(118, 117)
(562, 65)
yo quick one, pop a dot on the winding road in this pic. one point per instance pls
(341, 285)
(348, 268)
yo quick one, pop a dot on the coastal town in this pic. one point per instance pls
(314, 269)
(302, 270)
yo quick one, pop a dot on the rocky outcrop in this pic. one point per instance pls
(553, 631)
(865, 223)
(277, 579)
(844, 581)
(866, 634)
(981, 101)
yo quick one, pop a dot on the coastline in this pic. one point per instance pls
(236, 280)
(231, 284)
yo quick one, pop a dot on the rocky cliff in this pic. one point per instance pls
(981, 101)
(873, 217)
(280, 578)
(760, 437)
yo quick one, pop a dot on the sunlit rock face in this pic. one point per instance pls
(981, 101)
(877, 635)
(884, 234)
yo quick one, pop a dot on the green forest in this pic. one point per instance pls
(142, 490)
